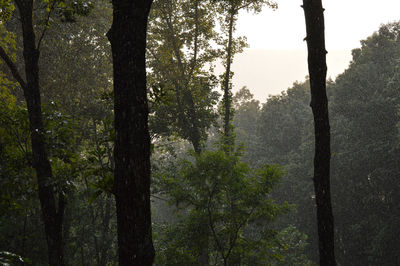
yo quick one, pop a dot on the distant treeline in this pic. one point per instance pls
(365, 123)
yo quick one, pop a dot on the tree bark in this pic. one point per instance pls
(52, 211)
(132, 140)
(314, 17)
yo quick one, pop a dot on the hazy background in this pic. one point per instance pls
(277, 54)
(267, 72)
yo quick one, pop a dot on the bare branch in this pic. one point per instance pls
(46, 26)
(158, 197)
(13, 68)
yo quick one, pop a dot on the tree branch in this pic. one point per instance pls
(211, 222)
(46, 26)
(196, 39)
(168, 20)
(13, 68)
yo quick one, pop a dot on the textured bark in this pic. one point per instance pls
(52, 210)
(319, 103)
(132, 141)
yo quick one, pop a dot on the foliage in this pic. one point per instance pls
(81, 87)
(365, 147)
(7, 9)
(179, 50)
(366, 100)
(18, 202)
(65, 10)
(291, 247)
(14, 152)
(211, 195)
(247, 112)
(219, 197)
(78, 130)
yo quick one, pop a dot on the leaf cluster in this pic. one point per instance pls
(228, 196)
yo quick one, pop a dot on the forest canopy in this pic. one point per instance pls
(231, 179)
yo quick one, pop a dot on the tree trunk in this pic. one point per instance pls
(227, 92)
(195, 135)
(52, 212)
(105, 233)
(132, 140)
(319, 103)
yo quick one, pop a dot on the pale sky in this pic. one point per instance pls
(277, 55)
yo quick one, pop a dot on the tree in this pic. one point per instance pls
(78, 85)
(366, 147)
(82, 90)
(224, 203)
(52, 204)
(284, 137)
(363, 118)
(52, 199)
(314, 17)
(179, 51)
(230, 10)
(247, 112)
(132, 140)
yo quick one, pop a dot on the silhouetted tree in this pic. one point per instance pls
(315, 28)
(52, 203)
(132, 140)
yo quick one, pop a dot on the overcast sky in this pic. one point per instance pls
(277, 54)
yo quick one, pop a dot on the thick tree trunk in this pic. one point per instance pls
(52, 211)
(319, 103)
(132, 141)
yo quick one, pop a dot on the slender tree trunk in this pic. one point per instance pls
(105, 233)
(24, 236)
(132, 141)
(319, 103)
(52, 211)
(195, 136)
(227, 92)
(68, 212)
